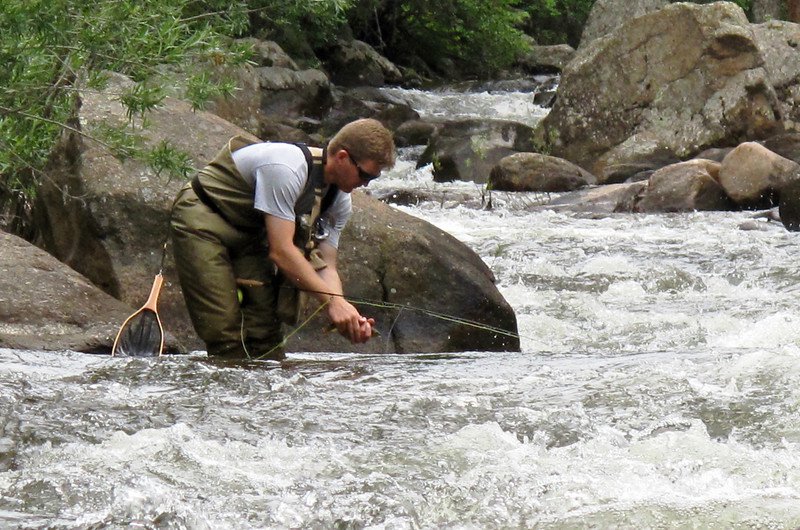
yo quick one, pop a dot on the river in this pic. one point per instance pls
(658, 387)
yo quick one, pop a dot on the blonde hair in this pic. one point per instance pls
(365, 139)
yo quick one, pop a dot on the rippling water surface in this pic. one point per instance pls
(657, 388)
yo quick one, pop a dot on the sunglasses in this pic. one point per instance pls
(363, 175)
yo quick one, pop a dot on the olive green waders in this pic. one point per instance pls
(211, 252)
(219, 237)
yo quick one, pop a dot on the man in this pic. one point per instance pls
(264, 208)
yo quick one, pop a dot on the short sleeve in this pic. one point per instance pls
(278, 186)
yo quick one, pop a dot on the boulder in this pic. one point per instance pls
(545, 59)
(356, 63)
(269, 53)
(391, 257)
(289, 93)
(752, 175)
(789, 206)
(366, 102)
(243, 107)
(778, 43)
(608, 15)
(108, 219)
(635, 161)
(684, 187)
(469, 149)
(717, 154)
(606, 199)
(537, 172)
(674, 81)
(414, 132)
(767, 10)
(45, 305)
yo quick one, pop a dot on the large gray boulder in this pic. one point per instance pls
(45, 305)
(390, 257)
(108, 219)
(674, 81)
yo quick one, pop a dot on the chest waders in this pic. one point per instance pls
(218, 236)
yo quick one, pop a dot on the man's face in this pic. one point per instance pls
(354, 173)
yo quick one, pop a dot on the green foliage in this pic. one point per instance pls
(140, 99)
(52, 49)
(167, 159)
(479, 36)
(321, 21)
(556, 21)
(746, 5)
(201, 89)
(122, 142)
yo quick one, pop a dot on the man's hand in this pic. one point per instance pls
(348, 321)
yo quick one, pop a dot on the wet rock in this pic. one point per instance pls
(414, 132)
(717, 154)
(684, 187)
(786, 145)
(636, 163)
(537, 172)
(752, 175)
(393, 257)
(789, 206)
(606, 199)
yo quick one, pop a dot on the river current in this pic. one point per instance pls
(657, 387)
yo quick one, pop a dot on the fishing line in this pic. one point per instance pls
(295, 330)
(428, 312)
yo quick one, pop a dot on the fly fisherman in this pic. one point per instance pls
(263, 212)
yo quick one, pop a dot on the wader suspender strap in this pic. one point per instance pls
(316, 179)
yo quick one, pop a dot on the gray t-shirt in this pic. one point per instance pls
(279, 172)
